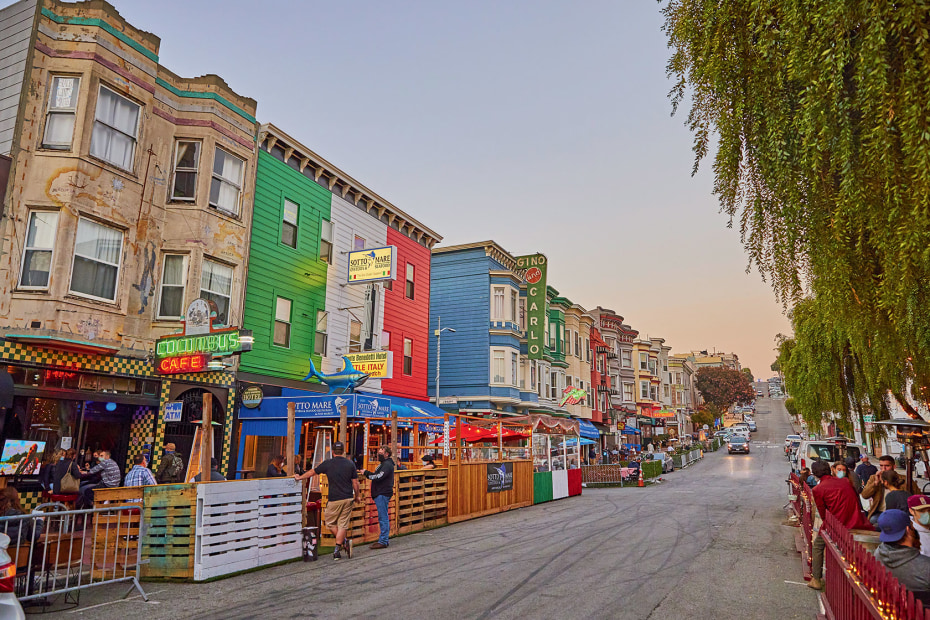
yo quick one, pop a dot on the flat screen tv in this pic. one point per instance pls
(21, 457)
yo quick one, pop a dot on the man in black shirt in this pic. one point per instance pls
(343, 492)
(382, 488)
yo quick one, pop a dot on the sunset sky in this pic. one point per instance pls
(542, 125)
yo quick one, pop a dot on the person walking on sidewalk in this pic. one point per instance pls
(837, 496)
(382, 488)
(342, 494)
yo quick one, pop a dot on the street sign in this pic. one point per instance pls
(173, 411)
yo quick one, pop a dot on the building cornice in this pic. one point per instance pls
(345, 186)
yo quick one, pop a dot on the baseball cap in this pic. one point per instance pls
(918, 502)
(338, 447)
(893, 523)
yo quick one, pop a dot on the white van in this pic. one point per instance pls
(831, 449)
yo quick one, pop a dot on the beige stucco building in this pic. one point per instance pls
(130, 195)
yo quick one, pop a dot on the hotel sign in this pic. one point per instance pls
(372, 265)
(536, 267)
(376, 364)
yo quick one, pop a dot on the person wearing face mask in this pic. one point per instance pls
(382, 488)
(919, 507)
(839, 470)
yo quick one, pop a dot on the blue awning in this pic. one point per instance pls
(629, 430)
(588, 430)
(268, 428)
(358, 405)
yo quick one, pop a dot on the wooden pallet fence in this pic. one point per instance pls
(279, 520)
(469, 497)
(421, 499)
(114, 537)
(363, 526)
(244, 524)
(169, 512)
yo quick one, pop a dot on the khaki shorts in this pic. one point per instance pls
(338, 514)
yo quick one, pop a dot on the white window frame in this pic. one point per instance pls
(514, 304)
(514, 367)
(232, 276)
(284, 321)
(498, 367)
(629, 395)
(135, 136)
(643, 361)
(118, 265)
(644, 389)
(410, 289)
(322, 318)
(327, 241)
(356, 346)
(162, 285)
(498, 301)
(406, 356)
(195, 170)
(51, 111)
(626, 358)
(31, 248)
(215, 176)
(285, 222)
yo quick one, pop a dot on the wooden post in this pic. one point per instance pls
(343, 428)
(394, 437)
(415, 444)
(458, 440)
(367, 435)
(290, 448)
(445, 441)
(206, 437)
(500, 441)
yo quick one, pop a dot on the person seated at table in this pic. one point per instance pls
(429, 461)
(20, 531)
(109, 478)
(276, 467)
(895, 495)
(65, 465)
(47, 470)
(215, 475)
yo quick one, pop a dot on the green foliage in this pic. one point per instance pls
(723, 387)
(748, 373)
(791, 407)
(703, 416)
(822, 159)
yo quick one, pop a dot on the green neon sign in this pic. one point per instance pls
(219, 344)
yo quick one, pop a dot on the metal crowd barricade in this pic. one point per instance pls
(857, 585)
(60, 551)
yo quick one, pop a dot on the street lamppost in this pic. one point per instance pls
(438, 332)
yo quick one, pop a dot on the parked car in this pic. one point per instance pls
(831, 449)
(9, 604)
(752, 426)
(738, 443)
(791, 441)
(721, 434)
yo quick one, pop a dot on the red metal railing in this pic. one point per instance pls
(805, 509)
(857, 586)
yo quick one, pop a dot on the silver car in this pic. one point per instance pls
(10, 609)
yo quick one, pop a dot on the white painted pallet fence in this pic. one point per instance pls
(243, 524)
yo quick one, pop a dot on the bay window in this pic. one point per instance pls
(97, 253)
(39, 250)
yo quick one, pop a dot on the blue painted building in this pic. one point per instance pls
(478, 291)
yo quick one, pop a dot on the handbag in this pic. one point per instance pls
(70, 484)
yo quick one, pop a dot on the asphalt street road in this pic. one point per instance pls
(707, 543)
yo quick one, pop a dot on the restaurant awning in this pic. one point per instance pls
(587, 429)
(63, 344)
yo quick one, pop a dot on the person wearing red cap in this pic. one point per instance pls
(919, 508)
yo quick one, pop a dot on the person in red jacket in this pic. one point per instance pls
(836, 496)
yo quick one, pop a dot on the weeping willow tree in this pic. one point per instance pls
(818, 117)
